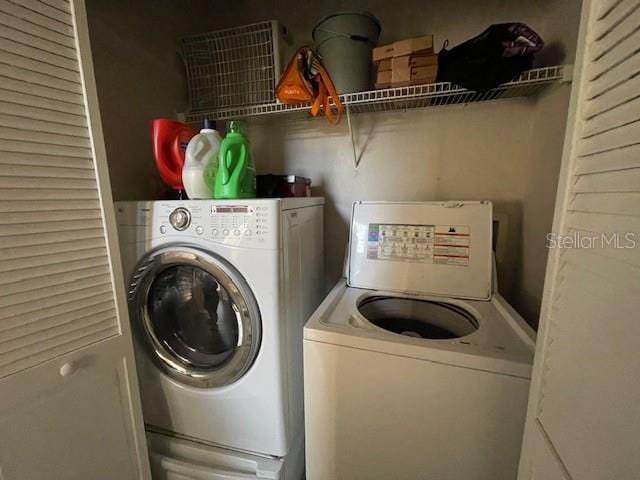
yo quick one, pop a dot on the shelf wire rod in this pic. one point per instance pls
(356, 160)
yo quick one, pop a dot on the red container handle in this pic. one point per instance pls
(169, 139)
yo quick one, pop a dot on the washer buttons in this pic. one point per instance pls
(199, 230)
(225, 232)
(214, 232)
(163, 229)
(236, 232)
(247, 233)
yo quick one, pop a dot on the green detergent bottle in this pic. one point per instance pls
(236, 175)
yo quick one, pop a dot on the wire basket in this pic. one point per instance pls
(233, 67)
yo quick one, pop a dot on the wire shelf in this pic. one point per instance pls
(232, 67)
(529, 83)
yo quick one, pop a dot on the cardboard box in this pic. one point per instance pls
(403, 47)
(383, 79)
(413, 45)
(414, 75)
(380, 53)
(401, 77)
(385, 65)
(418, 60)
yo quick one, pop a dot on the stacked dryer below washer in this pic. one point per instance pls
(218, 295)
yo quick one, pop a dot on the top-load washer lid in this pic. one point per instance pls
(431, 248)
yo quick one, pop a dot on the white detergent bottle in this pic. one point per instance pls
(201, 163)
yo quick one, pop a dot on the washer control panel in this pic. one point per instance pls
(251, 224)
(240, 221)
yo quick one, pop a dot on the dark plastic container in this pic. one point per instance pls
(277, 186)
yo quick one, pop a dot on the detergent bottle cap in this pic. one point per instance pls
(209, 125)
(235, 126)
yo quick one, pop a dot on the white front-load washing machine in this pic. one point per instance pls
(415, 367)
(218, 295)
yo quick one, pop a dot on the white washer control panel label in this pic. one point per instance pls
(436, 244)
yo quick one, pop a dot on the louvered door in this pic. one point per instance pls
(69, 406)
(584, 411)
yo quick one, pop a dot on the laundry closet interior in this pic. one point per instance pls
(197, 289)
(506, 151)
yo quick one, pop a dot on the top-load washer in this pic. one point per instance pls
(415, 367)
(218, 295)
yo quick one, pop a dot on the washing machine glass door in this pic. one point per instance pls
(196, 315)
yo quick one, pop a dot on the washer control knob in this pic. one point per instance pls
(67, 369)
(180, 218)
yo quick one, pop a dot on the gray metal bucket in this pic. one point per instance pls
(344, 40)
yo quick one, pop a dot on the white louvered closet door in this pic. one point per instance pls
(584, 411)
(69, 403)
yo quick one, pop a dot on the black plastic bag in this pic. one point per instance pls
(497, 55)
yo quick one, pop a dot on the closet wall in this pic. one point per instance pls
(139, 77)
(507, 151)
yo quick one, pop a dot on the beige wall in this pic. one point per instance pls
(139, 77)
(481, 151)
(508, 151)
(538, 200)
(454, 20)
